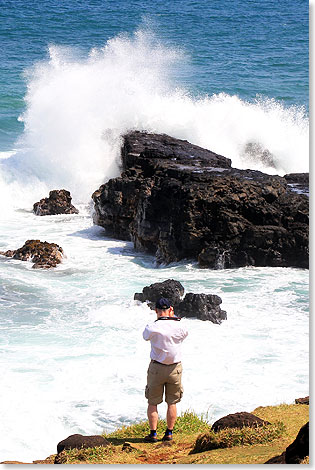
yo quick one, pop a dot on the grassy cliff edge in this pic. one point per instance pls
(246, 446)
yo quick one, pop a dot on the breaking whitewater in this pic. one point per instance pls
(71, 343)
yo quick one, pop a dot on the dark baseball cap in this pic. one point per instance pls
(163, 304)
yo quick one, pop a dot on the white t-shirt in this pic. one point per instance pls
(166, 337)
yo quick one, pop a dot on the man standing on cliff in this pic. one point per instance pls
(165, 370)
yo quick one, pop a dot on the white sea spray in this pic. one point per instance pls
(71, 347)
(78, 108)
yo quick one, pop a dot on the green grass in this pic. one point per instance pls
(190, 423)
(238, 437)
(91, 455)
(187, 423)
(228, 446)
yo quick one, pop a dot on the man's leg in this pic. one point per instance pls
(171, 416)
(173, 395)
(154, 394)
(153, 420)
(170, 419)
(153, 416)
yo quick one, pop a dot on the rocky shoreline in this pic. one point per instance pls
(176, 201)
(179, 201)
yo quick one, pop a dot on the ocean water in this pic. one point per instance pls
(230, 76)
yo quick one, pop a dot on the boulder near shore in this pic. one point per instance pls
(78, 441)
(177, 201)
(58, 202)
(302, 401)
(202, 306)
(42, 254)
(238, 420)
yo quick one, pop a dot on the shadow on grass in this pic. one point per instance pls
(121, 440)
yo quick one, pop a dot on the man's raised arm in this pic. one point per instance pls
(146, 333)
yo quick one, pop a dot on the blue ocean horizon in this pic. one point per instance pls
(250, 49)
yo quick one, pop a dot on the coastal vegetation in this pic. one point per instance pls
(228, 446)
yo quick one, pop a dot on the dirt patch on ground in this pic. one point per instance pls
(165, 453)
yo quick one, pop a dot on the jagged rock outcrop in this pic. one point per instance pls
(171, 289)
(202, 306)
(238, 420)
(177, 200)
(42, 254)
(58, 202)
(77, 441)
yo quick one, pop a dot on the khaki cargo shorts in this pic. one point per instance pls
(160, 377)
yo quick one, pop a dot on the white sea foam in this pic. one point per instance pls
(73, 352)
(77, 109)
(7, 154)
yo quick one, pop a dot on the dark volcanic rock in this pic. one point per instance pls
(43, 254)
(238, 420)
(150, 151)
(178, 201)
(299, 449)
(298, 182)
(295, 452)
(302, 401)
(202, 306)
(58, 202)
(77, 441)
(171, 289)
(298, 178)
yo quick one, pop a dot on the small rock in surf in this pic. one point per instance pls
(58, 202)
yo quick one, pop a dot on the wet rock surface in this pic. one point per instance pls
(42, 254)
(177, 201)
(171, 289)
(201, 306)
(298, 182)
(238, 420)
(58, 202)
